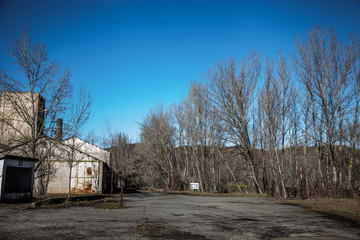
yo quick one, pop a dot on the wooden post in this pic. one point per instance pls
(122, 191)
(112, 183)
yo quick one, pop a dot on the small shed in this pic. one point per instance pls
(16, 178)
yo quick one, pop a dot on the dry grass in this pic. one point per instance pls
(111, 203)
(104, 203)
(347, 208)
(206, 194)
(57, 195)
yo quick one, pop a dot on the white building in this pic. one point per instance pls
(90, 172)
(90, 164)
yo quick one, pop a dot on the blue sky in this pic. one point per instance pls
(133, 54)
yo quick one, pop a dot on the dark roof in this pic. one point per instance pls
(12, 157)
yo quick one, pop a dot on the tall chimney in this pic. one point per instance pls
(58, 131)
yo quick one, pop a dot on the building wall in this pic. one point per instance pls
(59, 181)
(86, 177)
(88, 148)
(1, 176)
(106, 179)
(15, 107)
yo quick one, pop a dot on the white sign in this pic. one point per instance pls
(194, 186)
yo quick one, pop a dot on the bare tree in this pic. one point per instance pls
(79, 115)
(200, 134)
(273, 101)
(325, 68)
(232, 87)
(158, 141)
(33, 97)
(122, 161)
(353, 126)
(36, 79)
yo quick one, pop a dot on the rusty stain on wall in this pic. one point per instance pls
(84, 177)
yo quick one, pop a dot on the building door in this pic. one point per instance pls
(18, 180)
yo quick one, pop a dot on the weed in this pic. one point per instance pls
(105, 203)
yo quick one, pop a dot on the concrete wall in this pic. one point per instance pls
(1, 176)
(88, 148)
(59, 181)
(87, 172)
(86, 177)
(14, 108)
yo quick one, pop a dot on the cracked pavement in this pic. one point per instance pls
(180, 216)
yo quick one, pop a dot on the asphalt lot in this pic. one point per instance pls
(174, 217)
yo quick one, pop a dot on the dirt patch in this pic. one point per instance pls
(148, 227)
(162, 232)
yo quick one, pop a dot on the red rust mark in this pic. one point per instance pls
(88, 185)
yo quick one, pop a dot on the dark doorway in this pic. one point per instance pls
(18, 184)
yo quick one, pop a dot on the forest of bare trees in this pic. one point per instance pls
(280, 127)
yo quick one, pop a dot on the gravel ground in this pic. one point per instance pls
(173, 216)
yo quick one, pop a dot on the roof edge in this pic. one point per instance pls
(13, 157)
